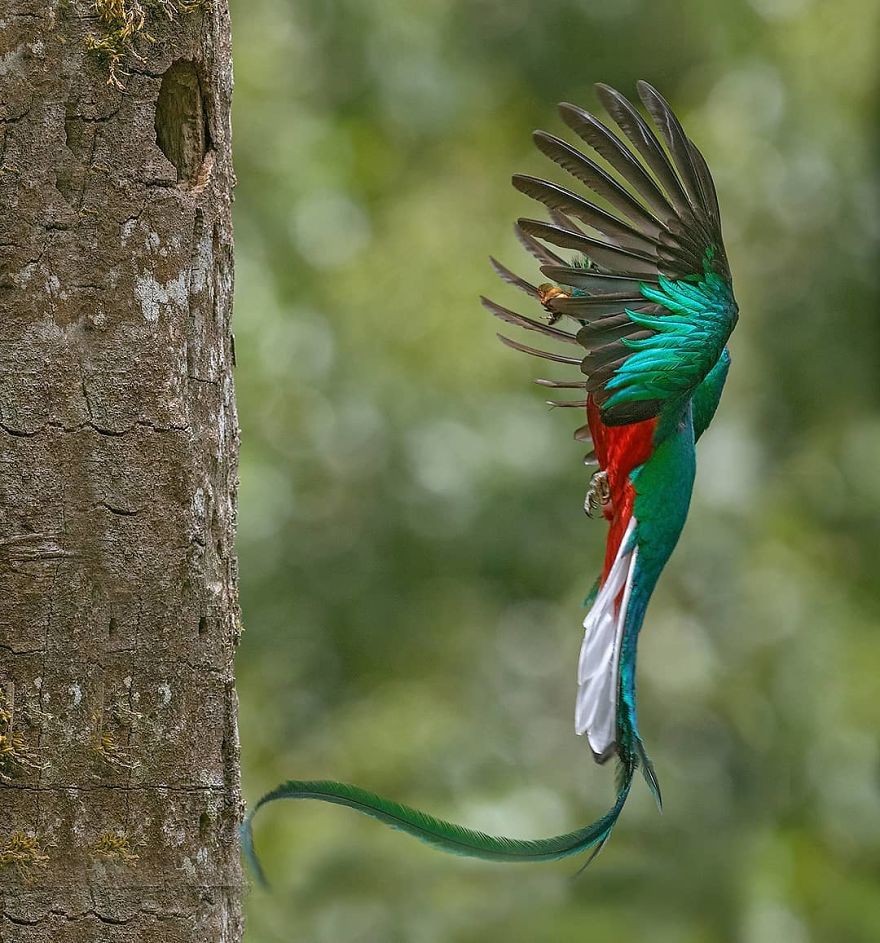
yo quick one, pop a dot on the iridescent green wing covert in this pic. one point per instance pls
(650, 290)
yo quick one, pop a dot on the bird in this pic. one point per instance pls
(644, 307)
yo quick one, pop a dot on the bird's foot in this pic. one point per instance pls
(598, 495)
(547, 293)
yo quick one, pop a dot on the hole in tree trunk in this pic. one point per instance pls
(182, 120)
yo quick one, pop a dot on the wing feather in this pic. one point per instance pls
(601, 183)
(520, 320)
(511, 278)
(559, 198)
(651, 290)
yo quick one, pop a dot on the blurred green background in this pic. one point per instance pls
(413, 553)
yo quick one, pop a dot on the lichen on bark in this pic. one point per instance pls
(125, 26)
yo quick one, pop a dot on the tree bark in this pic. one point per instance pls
(119, 783)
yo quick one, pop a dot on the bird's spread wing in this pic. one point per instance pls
(648, 290)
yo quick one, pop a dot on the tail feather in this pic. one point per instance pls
(648, 773)
(445, 836)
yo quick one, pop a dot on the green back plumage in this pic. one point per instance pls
(708, 394)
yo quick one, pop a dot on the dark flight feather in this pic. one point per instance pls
(600, 306)
(563, 221)
(544, 354)
(599, 333)
(607, 146)
(540, 252)
(561, 384)
(634, 127)
(520, 320)
(560, 403)
(511, 278)
(676, 141)
(604, 254)
(558, 198)
(593, 282)
(593, 176)
(708, 184)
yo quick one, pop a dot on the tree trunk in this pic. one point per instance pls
(119, 784)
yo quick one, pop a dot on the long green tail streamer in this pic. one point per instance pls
(446, 836)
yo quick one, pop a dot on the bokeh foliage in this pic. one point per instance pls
(413, 554)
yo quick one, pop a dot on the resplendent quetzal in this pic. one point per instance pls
(649, 302)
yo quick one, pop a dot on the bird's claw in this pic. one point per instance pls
(546, 293)
(598, 495)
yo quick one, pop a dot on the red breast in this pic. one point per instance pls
(619, 449)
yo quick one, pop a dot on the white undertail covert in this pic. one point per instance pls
(598, 665)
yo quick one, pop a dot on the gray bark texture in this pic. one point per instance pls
(119, 783)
